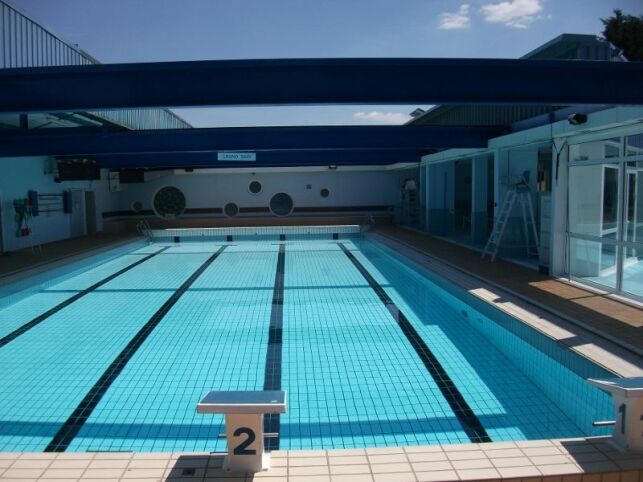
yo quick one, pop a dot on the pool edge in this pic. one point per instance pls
(580, 459)
(622, 360)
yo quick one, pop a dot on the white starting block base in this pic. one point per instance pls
(265, 464)
(244, 413)
(627, 394)
(244, 432)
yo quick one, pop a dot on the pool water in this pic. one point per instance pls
(372, 352)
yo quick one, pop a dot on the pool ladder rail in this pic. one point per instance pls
(144, 229)
(366, 225)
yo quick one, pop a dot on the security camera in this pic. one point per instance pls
(577, 119)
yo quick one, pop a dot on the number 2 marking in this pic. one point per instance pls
(241, 449)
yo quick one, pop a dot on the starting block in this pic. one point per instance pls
(627, 394)
(244, 413)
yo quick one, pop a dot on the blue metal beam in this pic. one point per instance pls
(81, 142)
(176, 160)
(319, 81)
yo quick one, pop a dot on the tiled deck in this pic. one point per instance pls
(28, 258)
(591, 460)
(618, 321)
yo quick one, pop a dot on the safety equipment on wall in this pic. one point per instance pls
(22, 216)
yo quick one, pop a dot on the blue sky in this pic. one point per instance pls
(169, 30)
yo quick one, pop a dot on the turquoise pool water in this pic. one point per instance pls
(371, 350)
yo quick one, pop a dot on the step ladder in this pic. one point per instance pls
(517, 192)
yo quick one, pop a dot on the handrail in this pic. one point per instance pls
(144, 229)
(367, 225)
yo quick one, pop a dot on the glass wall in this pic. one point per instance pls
(606, 214)
(423, 213)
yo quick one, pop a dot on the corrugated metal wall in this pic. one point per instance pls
(25, 43)
(565, 46)
(481, 114)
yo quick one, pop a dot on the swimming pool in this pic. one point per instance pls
(371, 350)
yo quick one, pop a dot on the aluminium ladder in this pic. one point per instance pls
(517, 192)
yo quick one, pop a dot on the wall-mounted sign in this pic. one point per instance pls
(237, 156)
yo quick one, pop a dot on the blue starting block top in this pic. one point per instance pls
(264, 401)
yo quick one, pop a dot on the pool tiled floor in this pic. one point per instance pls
(590, 460)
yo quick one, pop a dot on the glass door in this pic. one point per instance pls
(632, 261)
(593, 223)
(605, 212)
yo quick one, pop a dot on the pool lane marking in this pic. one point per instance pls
(83, 411)
(467, 418)
(272, 373)
(43, 316)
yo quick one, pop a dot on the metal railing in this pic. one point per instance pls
(144, 229)
(26, 43)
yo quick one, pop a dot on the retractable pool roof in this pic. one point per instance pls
(319, 81)
(293, 81)
(78, 141)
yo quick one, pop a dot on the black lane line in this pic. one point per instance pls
(83, 411)
(469, 421)
(272, 376)
(43, 316)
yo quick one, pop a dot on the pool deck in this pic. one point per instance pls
(41, 255)
(617, 321)
(571, 460)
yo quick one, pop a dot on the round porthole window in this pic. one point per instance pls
(168, 202)
(325, 192)
(136, 206)
(281, 204)
(231, 210)
(255, 187)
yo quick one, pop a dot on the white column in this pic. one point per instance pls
(558, 240)
(479, 170)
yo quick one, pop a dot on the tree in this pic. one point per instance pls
(626, 33)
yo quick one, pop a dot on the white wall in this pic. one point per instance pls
(347, 188)
(19, 175)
